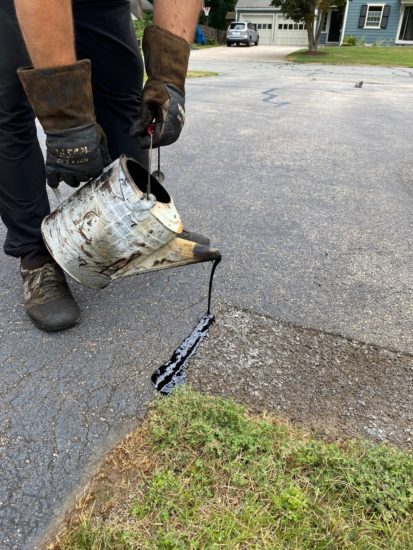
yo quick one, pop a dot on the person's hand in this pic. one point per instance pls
(75, 155)
(61, 98)
(164, 105)
(163, 96)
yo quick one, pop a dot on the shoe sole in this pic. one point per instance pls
(46, 328)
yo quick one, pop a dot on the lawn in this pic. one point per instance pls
(200, 74)
(201, 473)
(205, 46)
(191, 74)
(358, 55)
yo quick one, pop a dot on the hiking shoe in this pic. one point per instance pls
(47, 298)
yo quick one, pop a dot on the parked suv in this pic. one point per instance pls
(242, 32)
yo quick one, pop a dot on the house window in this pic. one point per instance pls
(373, 17)
(406, 30)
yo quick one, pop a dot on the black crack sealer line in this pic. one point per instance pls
(173, 372)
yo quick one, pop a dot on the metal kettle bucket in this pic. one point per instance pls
(111, 228)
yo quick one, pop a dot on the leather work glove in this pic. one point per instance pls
(163, 96)
(62, 100)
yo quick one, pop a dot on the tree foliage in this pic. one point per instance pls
(312, 12)
(219, 10)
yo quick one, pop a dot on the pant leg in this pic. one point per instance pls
(104, 33)
(23, 197)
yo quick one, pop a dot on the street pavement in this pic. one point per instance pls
(304, 182)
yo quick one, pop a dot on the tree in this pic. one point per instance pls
(219, 10)
(312, 12)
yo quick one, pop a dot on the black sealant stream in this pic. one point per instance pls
(173, 372)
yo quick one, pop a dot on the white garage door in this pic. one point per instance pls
(289, 33)
(265, 26)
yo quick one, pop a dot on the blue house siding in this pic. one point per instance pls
(371, 36)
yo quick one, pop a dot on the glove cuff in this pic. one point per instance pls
(166, 56)
(61, 97)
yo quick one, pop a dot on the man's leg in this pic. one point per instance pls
(104, 34)
(23, 196)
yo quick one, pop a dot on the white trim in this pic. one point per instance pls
(400, 25)
(367, 14)
(399, 28)
(328, 23)
(343, 28)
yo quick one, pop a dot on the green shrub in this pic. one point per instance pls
(349, 40)
(140, 24)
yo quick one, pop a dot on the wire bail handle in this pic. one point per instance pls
(150, 131)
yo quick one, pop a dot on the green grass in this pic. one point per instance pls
(202, 474)
(200, 74)
(205, 46)
(192, 74)
(358, 55)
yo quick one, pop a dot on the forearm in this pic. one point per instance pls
(47, 28)
(177, 16)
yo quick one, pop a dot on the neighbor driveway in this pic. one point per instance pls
(253, 54)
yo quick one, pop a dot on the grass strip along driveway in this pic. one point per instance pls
(201, 473)
(358, 55)
(200, 74)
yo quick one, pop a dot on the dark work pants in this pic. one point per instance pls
(104, 34)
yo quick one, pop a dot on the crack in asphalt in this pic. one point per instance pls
(265, 363)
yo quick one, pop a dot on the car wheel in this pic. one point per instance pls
(229, 44)
(256, 43)
(249, 42)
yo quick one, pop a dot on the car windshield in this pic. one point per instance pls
(237, 26)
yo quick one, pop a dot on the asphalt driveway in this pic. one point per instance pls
(305, 183)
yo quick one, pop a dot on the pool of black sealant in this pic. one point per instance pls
(173, 372)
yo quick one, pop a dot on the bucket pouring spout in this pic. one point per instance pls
(111, 228)
(177, 252)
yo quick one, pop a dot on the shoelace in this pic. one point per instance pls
(46, 283)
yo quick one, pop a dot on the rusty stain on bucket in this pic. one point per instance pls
(110, 228)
